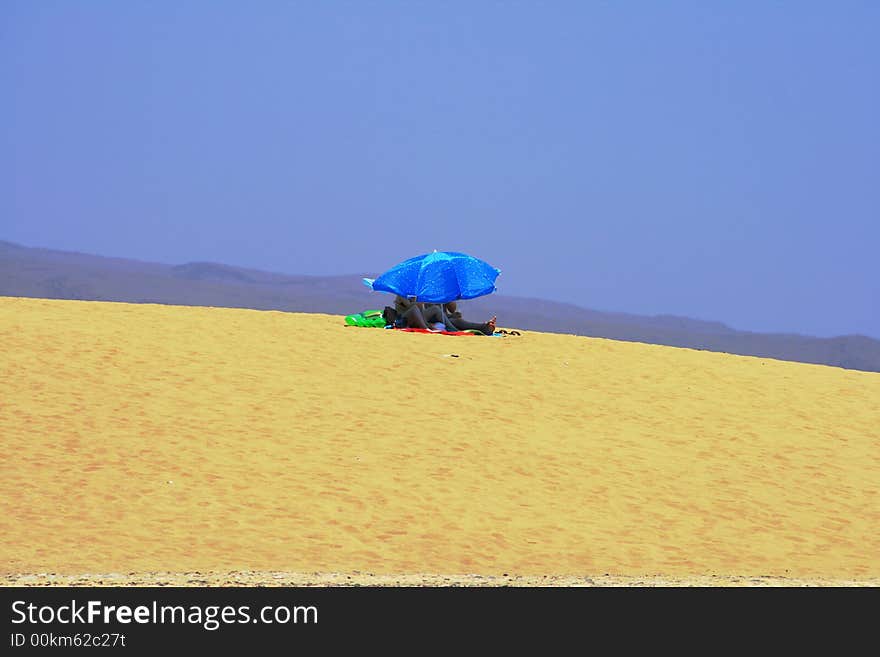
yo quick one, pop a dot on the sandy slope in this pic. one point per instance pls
(221, 445)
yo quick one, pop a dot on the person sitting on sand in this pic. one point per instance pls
(451, 318)
(410, 313)
(413, 314)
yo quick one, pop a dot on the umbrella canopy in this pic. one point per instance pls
(438, 277)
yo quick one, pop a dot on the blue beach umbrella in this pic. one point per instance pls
(438, 277)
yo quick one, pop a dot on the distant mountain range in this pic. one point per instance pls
(44, 273)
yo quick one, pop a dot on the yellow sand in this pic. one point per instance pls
(149, 438)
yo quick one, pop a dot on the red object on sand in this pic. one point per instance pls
(421, 330)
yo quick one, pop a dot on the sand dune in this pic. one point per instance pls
(158, 439)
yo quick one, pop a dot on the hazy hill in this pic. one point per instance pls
(44, 273)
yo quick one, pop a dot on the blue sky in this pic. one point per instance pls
(712, 160)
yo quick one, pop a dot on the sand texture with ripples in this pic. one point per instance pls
(229, 446)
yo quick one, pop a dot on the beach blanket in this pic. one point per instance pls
(438, 331)
(374, 318)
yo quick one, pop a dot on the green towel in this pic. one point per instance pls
(367, 318)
